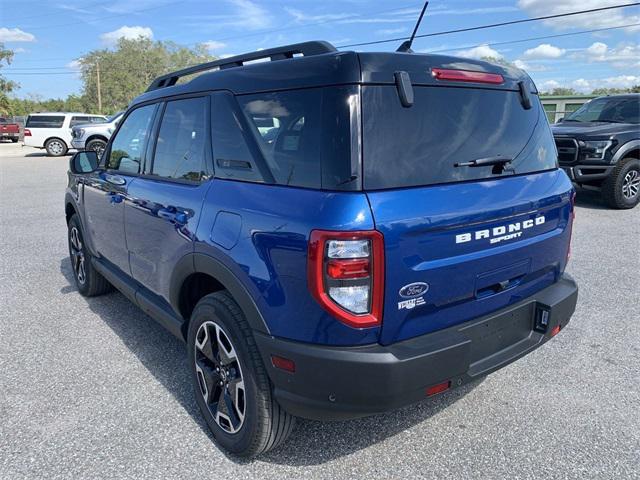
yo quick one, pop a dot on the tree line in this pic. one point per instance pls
(111, 78)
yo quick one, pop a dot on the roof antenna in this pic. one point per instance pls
(406, 45)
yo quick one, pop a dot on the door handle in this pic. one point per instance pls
(172, 215)
(115, 179)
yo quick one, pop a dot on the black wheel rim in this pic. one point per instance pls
(77, 255)
(220, 377)
(97, 147)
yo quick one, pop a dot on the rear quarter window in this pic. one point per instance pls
(45, 121)
(420, 145)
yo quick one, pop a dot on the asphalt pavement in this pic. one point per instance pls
(94, 388)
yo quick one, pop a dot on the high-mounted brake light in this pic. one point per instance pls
(27, 132)
(346, 275)
(466, 76)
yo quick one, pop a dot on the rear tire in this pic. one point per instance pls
(56, 147)
(88, 281)
(14, 140)
(622, 188)
(220, 340)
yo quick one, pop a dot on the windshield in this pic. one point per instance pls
(608, 109)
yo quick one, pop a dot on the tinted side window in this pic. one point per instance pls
(233, 158)
(78, 120)
(288, 126)
(180, 148)
(129, 144)
(97, 119)
(45, 121)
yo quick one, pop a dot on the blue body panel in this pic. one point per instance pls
(420, 227)
(263, 240)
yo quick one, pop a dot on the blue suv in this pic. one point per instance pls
(333, 234)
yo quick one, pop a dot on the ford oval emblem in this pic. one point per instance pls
(414, 290)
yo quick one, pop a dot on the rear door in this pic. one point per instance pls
(461, 241)
(163, 210)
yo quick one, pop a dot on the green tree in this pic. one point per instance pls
(562, 92)
(127, 71)
(6, 86)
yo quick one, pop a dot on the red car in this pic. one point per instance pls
(9, 131)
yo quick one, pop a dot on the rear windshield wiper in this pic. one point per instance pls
(483, 162)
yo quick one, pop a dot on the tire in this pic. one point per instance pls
(89, 282)
(622, 188)
(97, 145)
(56, 147)
(14, 140)
(256, 423)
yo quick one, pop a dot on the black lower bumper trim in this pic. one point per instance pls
(334, 383)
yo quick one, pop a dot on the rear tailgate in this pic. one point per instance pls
(472, 239)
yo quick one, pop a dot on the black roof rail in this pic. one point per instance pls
(278, 53)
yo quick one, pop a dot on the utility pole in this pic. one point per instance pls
(99, 91)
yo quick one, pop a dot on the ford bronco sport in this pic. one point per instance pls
(333, 234)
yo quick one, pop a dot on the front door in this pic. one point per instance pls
(107, 190)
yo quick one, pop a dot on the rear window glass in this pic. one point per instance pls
(301, 138)
(446, 126)
(45, 121)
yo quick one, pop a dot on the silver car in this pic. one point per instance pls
(94, 136)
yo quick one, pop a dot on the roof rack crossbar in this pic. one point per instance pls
(279, 53)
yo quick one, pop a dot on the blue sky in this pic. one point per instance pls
(48, 36)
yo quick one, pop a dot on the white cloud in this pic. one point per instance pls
(598, 49)
(74, 65)
(620, 81)
(212, 45)
(548, 85)
(623, 56)
(391, 31)
(250, 15)
(602, 19)
(15, 35)
(544, 51)
(130, 33)
(302, 17)
(530, 67)
(479, 52)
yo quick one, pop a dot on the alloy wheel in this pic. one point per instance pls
(77, 255)
(220, 377)
(631, 184)
(56, 148)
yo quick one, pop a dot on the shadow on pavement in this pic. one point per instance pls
(590, 199)
(311, 443)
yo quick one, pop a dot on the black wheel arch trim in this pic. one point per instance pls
(624, 150)
(201, 263)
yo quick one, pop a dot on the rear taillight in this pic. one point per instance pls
(346, 275)
(27, 132)
(466, 76)
(572, 217)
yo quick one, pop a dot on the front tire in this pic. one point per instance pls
(97, 146)
(231, 385)
(622, 188)
(88, 281)
(55, 147)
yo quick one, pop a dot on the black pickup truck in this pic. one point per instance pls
(599, 146)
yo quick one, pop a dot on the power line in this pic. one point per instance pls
(492, 44)
(493, 25)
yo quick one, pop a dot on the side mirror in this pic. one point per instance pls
(84, 162)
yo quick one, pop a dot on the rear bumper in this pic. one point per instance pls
(9, 135)
(333, 383)
(588, 173)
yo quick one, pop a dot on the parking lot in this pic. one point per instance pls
(93, 388)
